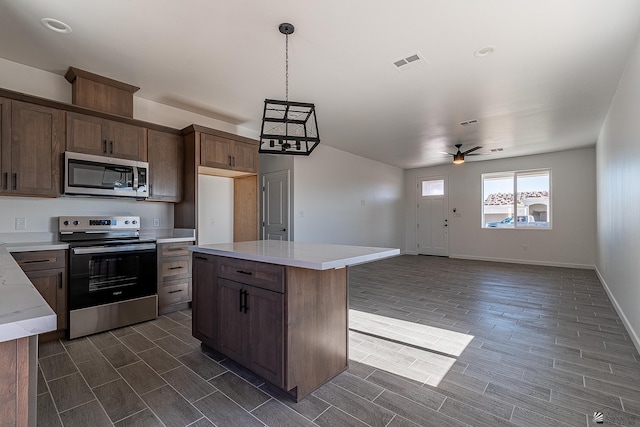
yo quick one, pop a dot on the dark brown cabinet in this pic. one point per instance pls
(102, 137)
(253, 328)
(47, 271)
(226, 153)
(286, 324)
(174, 277)
(205, 296)
(32, 141)
(165, 157)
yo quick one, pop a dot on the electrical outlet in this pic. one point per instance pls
(212, 222)
(156, 222)
(21, 223)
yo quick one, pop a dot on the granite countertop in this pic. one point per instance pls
(23, 312)
(315, 256)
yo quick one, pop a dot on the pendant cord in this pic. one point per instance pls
(286, 89)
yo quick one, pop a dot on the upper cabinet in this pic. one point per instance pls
(226, 153)
(31, 146)
(102, 137)
(166, 154)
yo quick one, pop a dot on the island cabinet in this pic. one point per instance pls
(103, 137)
(47, 272)
(284, 323)
(32, 140)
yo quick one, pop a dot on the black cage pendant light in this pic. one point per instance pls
(288, 127)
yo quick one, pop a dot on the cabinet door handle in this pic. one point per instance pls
(5, 181)
(60, 280)
(230, 160)
(110, 147)
(246, 301)
(104, 146)
(241, 293)
(234, 161)
(177, 290)
(15, 181)
(35, 261)
(176, 268)
(248, 273)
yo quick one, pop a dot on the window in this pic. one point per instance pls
(434, 187)
(516, 199)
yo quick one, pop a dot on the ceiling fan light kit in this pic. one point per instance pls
(458, 157)
(288, 127)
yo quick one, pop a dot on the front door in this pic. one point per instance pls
(432, 224)
(275, 205)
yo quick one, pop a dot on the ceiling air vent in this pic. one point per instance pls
(408, 62)
(469, 122)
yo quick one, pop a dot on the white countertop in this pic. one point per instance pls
(23, 312)
(173, 235)
(315, 256)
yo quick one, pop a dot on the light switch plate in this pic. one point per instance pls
(21, 223)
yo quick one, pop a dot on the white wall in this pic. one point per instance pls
(215, 210)
(618, 165)
(570, 242)
(346, 199)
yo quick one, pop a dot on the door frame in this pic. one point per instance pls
(419, 196)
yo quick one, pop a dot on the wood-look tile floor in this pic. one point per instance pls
(433, 342)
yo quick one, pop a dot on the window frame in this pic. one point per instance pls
(514, 175)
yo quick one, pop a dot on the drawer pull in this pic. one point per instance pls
(175, 268)
(174, 249)
(35, 261)
(201, 257)
(177, 290)
(248, 273)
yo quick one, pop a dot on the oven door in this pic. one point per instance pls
(103, 274)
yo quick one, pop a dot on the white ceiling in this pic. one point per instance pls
(547, 86)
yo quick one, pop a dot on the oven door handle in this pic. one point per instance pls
(111, 249)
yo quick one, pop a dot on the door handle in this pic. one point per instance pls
(110, 147)
(15, 181)
(5, 181)
(104, 146)
(246, 301)
(240, 299)
(284, 229)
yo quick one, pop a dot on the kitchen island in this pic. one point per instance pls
(23, 315)
(278, 308)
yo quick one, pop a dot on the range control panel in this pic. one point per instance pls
(98, 223)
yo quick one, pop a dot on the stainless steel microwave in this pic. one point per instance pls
(85, 174)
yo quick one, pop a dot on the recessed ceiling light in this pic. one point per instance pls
(484, 51)
(56, 26)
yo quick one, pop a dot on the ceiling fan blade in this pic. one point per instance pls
(448, 154)
(471, 150)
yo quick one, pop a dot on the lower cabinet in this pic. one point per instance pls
(253, 328)
(174, 277)
(286, 324)
(47, 271)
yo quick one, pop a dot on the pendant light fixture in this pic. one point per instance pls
(288, 127)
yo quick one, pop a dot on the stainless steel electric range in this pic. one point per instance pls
(112, 273)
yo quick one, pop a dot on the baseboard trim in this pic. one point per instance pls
(524, 261)
(616, 306)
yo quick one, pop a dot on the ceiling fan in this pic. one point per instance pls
(458, 157)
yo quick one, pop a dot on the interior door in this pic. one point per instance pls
(275, 205)
(432, 216)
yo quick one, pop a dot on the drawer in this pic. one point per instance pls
(174, 291)
(41, 260)
(174, 268)
(173, 249)
(260, 274)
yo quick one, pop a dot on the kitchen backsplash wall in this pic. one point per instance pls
(41, 215)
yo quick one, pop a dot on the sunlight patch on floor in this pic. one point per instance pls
(417, 352)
